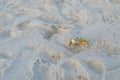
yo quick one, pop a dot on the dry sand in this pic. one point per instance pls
(34, 36)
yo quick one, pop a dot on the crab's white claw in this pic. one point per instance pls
(73, 41)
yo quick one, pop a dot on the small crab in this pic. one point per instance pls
(81, 42)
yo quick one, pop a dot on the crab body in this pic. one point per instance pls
(81, 42)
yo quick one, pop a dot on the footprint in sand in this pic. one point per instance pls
(113, 75)
(21, 66)
(47, 71)
(27, 24)
(98, 67)
(74, 70)
(6, 55)
(73, 12)
(22, 26)
(6, 35)
(110, 18)
(55, 29)
(114, 1)
(5, 16)
(3, 65)
(2, 27)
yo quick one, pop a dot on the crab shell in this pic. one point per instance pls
(83, 44)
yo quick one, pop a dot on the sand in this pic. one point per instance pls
(34, 37)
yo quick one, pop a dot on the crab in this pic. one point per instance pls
(81, 42)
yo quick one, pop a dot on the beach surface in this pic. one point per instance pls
(34, 38)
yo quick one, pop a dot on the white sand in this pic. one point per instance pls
(34, 36)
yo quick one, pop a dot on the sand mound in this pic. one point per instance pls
(34, 37)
